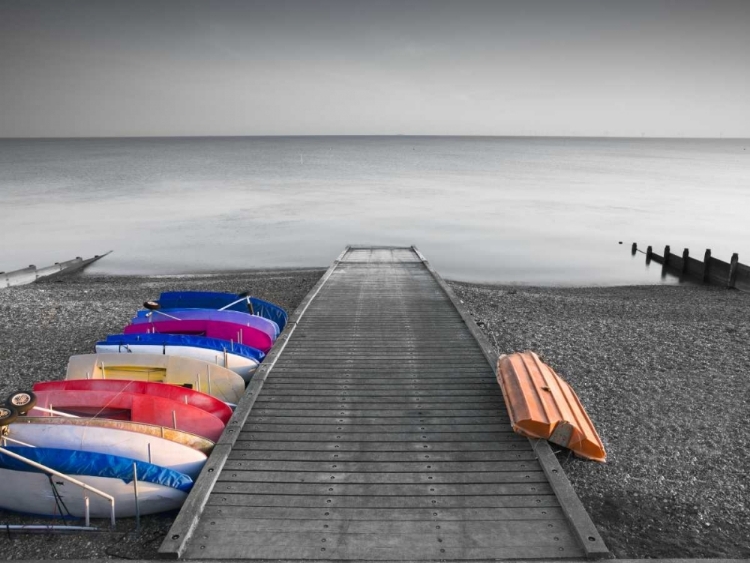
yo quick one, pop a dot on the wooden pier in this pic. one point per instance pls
(375, 430)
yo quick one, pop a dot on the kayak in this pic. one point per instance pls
(79, 434)
(189, 373)
(220, 330)
(26, 489)
(235, 317)
(130, 406)
(239, 358)
(542, 405)
(210, 404)
(225, 301)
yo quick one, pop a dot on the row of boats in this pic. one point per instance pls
(136, 420)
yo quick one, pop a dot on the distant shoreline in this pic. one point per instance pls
(385, 136)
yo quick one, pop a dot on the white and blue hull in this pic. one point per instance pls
(32, 493)
(114, 441)
(243, 366)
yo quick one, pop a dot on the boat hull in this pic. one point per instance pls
(242, 366)
(39, 432)
(203, 445)
(210, 404)
(263, 324)
(207, 377)
(217, 300)
(542, 405)
(131, 406)
(32, 493)
(221, 330)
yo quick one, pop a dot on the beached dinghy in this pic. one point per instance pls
(235, 317)
(239, 358)
(26, 489)
(69, 434)
(191, 373)
(541, 405)
(131, 406)
(231, 332)
(223, 301)
(180, 394)
(203, 445)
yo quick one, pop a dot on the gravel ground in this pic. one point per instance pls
(41, 325)
(664, 373)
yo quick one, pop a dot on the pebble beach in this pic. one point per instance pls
(663, 371)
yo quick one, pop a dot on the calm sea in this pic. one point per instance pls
(528, 210)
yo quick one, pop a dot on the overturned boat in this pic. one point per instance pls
(191, 373)
(129, 406)
(30, 490)
(229, 331)
(542, 405)
(235, 317)
(117, 439)
(239, 358)
(242, 302)
(180, 394)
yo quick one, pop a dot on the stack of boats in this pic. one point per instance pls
(137, 419)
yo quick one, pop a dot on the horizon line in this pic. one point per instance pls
(624, 137)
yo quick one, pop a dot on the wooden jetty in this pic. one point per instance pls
(732, 274)
(375, 430)
(57, 270)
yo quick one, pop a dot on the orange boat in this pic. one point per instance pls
(542, 405)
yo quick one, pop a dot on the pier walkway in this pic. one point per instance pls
(376, 430)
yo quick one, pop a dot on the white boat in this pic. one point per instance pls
(67, 433)
(194, 441)
(23, 489)
(199, 375)
(239, 358)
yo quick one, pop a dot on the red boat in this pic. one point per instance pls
(131, 406)
(242, 334)
(174, 392)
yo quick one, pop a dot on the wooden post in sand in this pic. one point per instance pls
(733, 271)
(666, 256)
(649, 254)
(685, 256)
(707, 266)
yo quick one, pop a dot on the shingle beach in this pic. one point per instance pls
(663, 371)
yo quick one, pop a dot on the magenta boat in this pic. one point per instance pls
(241, 334)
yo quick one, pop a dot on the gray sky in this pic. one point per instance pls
(620, 67)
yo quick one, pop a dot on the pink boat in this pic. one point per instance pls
(174, 392)
(130, 406)
(247, 335)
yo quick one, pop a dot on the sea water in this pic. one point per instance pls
(486, 209)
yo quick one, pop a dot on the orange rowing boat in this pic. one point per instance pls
(542, 405)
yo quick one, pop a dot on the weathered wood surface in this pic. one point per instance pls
(378, 434)
(731, 274)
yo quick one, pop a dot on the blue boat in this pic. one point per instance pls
(235, 317)
(219, 300)
(24, 488)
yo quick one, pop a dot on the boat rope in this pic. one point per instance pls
(59, 501)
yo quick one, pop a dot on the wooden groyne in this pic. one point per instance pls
(710, 270)
(58, 269)
(375, 430)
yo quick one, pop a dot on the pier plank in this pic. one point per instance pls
(379, 433)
